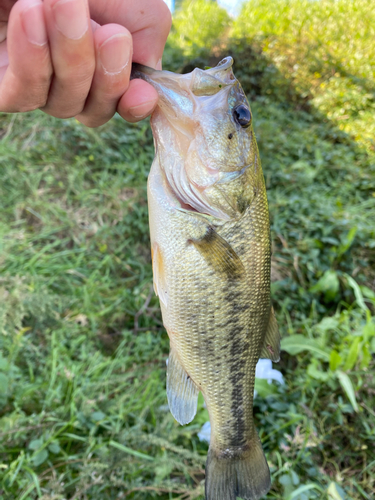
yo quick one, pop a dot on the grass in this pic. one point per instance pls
(82, 366)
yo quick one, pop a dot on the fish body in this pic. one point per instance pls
(210, 237)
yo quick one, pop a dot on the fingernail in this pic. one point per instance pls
(114, 53)
(142, 110)
(33, 24)
(71, 18)
(158, 65)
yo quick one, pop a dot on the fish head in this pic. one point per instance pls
(204, 139)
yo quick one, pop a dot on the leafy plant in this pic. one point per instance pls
(198, 27)
(336, 347)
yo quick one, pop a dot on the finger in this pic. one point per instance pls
(23, 88)
(149, 22)
(138, 101)
(113, 45)
(73, 56)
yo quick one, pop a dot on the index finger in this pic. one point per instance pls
(149, 22)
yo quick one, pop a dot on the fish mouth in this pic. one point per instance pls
(151, 74)
(174, 87)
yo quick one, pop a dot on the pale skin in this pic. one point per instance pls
(72, 58)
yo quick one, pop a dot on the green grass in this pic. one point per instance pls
(326, 50)
(82, 365)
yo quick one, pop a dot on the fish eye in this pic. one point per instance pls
(242, 115)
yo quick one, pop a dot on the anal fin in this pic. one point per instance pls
(271, 346)
(182, 393)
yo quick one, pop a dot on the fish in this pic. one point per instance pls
(211, 259)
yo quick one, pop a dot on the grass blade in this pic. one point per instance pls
(130, 451)
(299, 343)
(347, 385)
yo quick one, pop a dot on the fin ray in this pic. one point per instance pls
(182, 393)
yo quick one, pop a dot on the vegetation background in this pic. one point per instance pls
(83, 411)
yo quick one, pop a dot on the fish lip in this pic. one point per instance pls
(142, 71)
(225, 63)
(149, 74)
(160, 78)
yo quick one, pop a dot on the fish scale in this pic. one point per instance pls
(211, 254)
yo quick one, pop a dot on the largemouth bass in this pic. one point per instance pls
(211, 256)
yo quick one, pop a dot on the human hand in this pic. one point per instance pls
(68, 58)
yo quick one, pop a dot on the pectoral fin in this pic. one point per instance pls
(219, 254)
(271, 346)
(182, 393)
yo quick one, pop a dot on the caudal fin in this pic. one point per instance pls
(246, 476)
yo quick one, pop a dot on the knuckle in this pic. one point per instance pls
(82, 72)
(114, 87)
(64, 114)
(29, 107)
(35, 75)
(92, 120)
(37, 95)
(58, 110)
(92, 123)
(37, 98)
(76, 89)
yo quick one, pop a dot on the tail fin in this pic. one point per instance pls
(246, 476)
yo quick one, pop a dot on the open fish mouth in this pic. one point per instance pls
(177, 92)
(201, 82)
